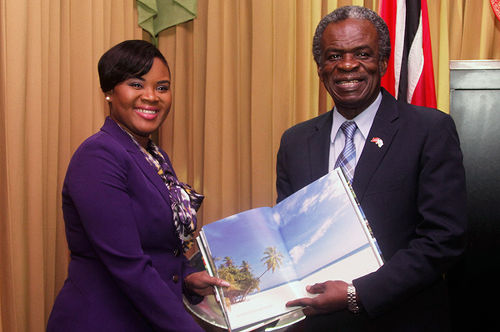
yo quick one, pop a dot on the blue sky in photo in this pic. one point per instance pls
(245, 236)
(319, 224)
(316, 224)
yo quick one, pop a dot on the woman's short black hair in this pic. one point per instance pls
(130, 58)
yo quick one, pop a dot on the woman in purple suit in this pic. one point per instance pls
(128, 219)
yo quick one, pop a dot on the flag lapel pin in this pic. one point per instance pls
(377, 141)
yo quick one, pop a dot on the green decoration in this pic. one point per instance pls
(157, 15)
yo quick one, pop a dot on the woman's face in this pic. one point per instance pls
(141, 104)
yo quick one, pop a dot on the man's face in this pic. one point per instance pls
(350, 68)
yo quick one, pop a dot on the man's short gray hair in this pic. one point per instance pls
(362, 13)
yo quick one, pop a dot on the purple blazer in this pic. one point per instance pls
(127, 268)
(412, 191)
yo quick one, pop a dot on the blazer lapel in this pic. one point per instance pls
(384, 127)
(150, 172)
(319, 147)
(123, 139)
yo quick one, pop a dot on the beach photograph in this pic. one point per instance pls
(269, 255)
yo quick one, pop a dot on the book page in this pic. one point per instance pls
(324, 233)
(269, 255)
(248, 252)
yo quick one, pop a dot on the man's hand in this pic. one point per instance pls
(202, 284)
(332, 296)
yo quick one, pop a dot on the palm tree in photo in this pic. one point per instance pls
(245, 267)
(228, 261)
(272, 260)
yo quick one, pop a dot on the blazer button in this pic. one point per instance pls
(176, 252)
(175, 278)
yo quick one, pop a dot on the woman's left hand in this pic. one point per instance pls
(202, 284)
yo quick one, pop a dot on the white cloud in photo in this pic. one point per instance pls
(308, 203)
(277, 218)
(297, 252)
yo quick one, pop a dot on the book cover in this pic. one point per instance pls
(270, 254)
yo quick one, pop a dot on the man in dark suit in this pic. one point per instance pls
(407, 174)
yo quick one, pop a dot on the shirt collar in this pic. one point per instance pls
(364, 120)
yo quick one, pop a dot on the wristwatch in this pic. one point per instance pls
(352, 303)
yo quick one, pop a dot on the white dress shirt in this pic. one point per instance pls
(364, 121)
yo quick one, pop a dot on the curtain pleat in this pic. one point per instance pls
(50, 101)
(242, 73)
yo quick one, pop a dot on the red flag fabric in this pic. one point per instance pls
(495, 5)
(410, 74)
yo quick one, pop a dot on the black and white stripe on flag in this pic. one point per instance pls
(410, 75)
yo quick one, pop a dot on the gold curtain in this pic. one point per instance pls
(242, 73)
(50, 102)
(241, 77)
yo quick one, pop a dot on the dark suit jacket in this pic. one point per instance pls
(412, 191)
(127, 268)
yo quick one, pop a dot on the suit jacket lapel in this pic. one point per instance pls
(123, 139)
(385, 126)
(319, 147)
(151, 173)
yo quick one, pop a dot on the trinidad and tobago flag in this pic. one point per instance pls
(410, 74)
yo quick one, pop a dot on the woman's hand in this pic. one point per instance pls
(202, 284)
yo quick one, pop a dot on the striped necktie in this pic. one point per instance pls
(347, 158)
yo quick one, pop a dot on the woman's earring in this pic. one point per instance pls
(108, 98)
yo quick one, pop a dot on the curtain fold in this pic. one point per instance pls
(50, 101)
(253, 79)
(242, 73)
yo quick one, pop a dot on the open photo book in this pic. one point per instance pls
(270, 254)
